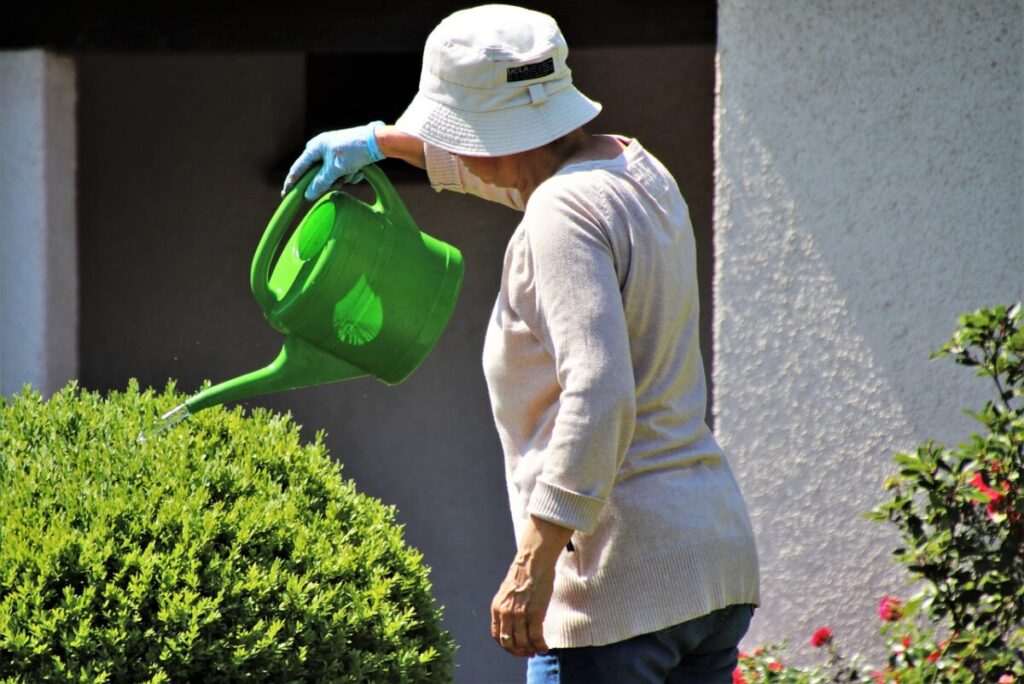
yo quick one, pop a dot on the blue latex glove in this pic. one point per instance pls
(343, 153)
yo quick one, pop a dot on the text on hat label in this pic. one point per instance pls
(530, 71)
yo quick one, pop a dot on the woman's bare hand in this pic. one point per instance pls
(518, 610)
(519, 607)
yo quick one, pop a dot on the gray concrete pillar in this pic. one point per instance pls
(38, 251)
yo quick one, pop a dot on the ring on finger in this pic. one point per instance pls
(505, 637)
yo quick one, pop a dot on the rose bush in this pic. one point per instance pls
(960, 513)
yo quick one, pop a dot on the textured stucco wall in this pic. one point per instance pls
(868, 190)
(38, 259)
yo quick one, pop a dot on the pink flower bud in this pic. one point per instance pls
(821, 637)
(890, 608)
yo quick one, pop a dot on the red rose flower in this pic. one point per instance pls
(890, 608)
(979, 483)
(737, 677)
(775, 666)
(994, 495)
(821, 637)
(933, 656)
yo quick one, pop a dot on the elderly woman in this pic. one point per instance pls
(636, 560)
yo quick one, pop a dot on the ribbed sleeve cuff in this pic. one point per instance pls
(442, 169)
(562, 507)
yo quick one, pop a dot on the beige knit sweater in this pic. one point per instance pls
(598, 392)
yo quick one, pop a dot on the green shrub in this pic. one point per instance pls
(220, 550)
(960, 514)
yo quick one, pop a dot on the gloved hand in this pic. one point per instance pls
(343, 153)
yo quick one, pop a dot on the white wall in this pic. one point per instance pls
(868, 190)
(38, 257)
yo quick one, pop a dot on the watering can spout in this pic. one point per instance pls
(300, 364)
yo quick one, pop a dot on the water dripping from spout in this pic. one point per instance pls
(168, 420)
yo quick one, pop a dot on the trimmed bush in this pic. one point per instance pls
(221, 550)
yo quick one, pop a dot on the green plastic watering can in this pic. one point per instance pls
(358, 290)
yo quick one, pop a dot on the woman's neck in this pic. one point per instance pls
(536, 166)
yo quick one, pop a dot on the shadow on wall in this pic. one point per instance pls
(865, 199)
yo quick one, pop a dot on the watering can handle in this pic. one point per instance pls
(259, 275)
(388, 202)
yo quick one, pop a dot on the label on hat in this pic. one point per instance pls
(530, 71)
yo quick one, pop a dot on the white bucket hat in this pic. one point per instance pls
(495, 82)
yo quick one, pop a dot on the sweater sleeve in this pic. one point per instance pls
(446, 172)
(567, 292)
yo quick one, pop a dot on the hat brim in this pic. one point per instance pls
(501, 132)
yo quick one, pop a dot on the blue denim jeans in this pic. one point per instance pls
(699, 651)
